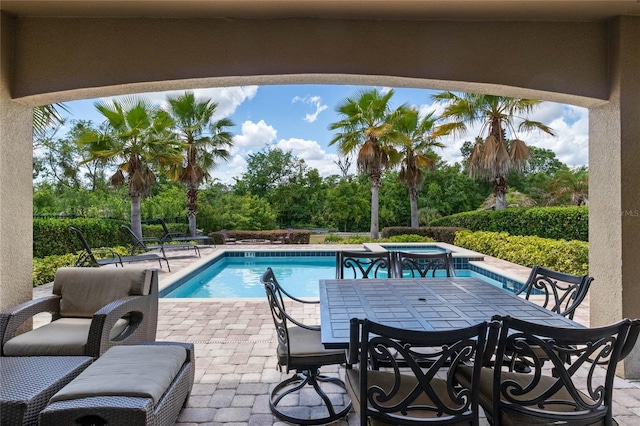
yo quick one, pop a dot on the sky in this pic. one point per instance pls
(296, 118)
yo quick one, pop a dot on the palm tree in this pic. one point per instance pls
(417, 152)
(47, 116)
(137, 136)
(205, 142)
(366, 127)
(490, 159)
(572, 184)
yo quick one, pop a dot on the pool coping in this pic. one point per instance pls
(475, 260)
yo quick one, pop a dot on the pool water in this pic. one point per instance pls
(239, 277)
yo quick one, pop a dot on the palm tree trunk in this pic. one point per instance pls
(375, 192)
(136, 220)
(192, 208)
(413, 202)
(500, 191)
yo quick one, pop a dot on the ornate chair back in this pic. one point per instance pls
(417, 385)
(561, 394)
(363, 264)
(561, 293)
(411, 265)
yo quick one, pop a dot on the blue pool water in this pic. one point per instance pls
(239, 277)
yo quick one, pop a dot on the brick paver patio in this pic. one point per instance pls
(235, 347)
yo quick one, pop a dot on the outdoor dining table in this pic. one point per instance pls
(423, 304)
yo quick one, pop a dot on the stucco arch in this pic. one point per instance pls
(592, 63)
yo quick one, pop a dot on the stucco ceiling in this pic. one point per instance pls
(519, 10)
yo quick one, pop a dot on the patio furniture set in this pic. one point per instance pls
(97, 361)
(420, 349)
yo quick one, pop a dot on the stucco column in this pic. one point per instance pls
(614, 190)
(16, 192)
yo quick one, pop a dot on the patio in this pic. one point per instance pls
(235, 348)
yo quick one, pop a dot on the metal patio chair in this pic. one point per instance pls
(576, 393)
(412, 265)
(363, 264)
(398, 376)
(300, 349)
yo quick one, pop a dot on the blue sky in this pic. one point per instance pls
(297, 117)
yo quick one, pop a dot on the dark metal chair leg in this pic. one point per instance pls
(298, 381)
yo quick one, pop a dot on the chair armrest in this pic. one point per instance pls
(143, 318)
(16, 316)
(300, 324)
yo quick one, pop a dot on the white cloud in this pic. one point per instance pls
(314, 101)
(227, 171)
(312, 153)
(227, 98)
(253, 135)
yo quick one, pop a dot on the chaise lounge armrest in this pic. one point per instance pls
(12, 319)
(134, 309)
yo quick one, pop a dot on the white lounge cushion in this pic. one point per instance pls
(65, 336)
(135, 370)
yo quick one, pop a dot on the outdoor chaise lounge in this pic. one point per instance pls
(169, 236)
(92, 310)
(88, 255)
(146, 384)
(152, 243)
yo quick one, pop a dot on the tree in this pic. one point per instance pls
(47, 116)
(346, 206)
(287, 182)
(417, 152)
(490, 159)
(138, 137)
(205, 142)
(366, 127)
(572, 185)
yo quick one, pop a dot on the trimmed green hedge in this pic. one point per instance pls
(445, 234)
(571, 257)
(53, 236)
(569, 223)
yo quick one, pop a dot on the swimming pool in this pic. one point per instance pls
(236, 275)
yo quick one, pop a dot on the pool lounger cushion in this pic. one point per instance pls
(136, 384)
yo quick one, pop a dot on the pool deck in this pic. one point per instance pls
(235, 347)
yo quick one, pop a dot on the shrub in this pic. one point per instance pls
(571, 257)
(569, 223)
(53, 236)
(394, 239)
(445, 234)
(44, 269)
(332, 238)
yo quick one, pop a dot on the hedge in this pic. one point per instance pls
(53, 236)
(445, 234)
(569, 223)
(571, 257)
